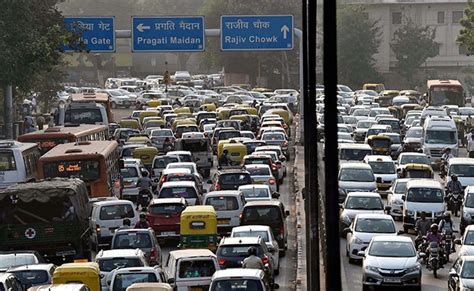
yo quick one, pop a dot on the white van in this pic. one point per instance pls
(463, 168)
(228, 205)
(422, 195)
(190, 268)
(17, 162)
(439, 133)
(106, 218)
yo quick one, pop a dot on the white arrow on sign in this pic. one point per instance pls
(285, 31)
(141, 27)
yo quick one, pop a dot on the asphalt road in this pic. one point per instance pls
(353, 272)
(287, 276)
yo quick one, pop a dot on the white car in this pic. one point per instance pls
(265, 232)
(394, 197)
(466, 242)
(359, 203)
(262, 174)
(411, 158)
(363, 229)
(257, 192)
(123, 278)
(384, 170)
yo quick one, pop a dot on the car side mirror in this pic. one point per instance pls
(457, 241)
(361, 253)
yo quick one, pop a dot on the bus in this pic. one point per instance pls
(442, 92)
(99, 98)
(95, 162)
(18, 162)
(50, 137)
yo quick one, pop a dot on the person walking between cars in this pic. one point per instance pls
(252, 261)
(422, 226)
(224, 160)
(142, 223)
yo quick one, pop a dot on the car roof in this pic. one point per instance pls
(397, 238)
(378, 158)
(192, 253)
(119, 253)
(113, 202)
(136, 269)
(412, 154)
(257, 166)
(133, 230)
(427, 183)
(238, 273)
(355, 165)
(374, 215)
(363, 194)
(354, 146)
(168, 201)
(251, 228)
(264, 203)
(223, 193)
(240, 240)
(252, 186)
(178, 184)
(176, 171)
(461, 161)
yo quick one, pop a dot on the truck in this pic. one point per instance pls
(49, 216)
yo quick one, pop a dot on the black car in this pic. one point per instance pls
(229, 179)
(233, 250)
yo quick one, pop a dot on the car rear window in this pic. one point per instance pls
(254, 161)
(237, 250)
(254, 171)
(109, 264)
(179, 177)
(8, 260)
(262, 215)
(113, 212)
(132, 240)
(238, 284)
(232, 179)
(32, 277)
(255, 193)
(166, 209)
(196, 268)
(223, 203)
(122, 281)
(178, 192)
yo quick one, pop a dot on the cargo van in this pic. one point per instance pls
(422, 195)
(228, 205)
(439, 133)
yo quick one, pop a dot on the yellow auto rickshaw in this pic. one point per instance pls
(285, 114)
(140, 139)
(409, 107)
(182, 110)
(148, 113)
(85, 273)
(250, 110)
(380, 144)
(210, 100)
(146, 154)
(129, 123)
(198, 228)
(153, 103)
(395, 111)
(223, 113)
(149, 287)
(209, 107)
(236, 152)
(417, 171)
(182, 121)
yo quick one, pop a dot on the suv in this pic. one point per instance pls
(121, 279)
(228, 205)
(233, 250)
(185, 189)
(229, 179)
(114, 259)
(143, 239)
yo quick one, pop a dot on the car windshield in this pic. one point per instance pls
(132, 240)
(273, 136)
(9, 260)
(400, 187)
(371, 225)
(252, 193)
(166, 209)
(196, 268)
(462, 170)
(466, 111)
(161, 133)
(428, 195)
(354, 154)
(223, 203)
(161, 163)
(441, 137)
(414, 132)
(231, 179)
(414, 159)
(237, 285)
(259, 171)
(468, 270)
(124, 280)
(32, 277)
(469, 239)
(262, 215)
(381, 143)
(114, 212)
(356, 175)
(178, 192)
(382, 167)
(129, 172)
(363, 203)
(109, 264)
(392, 249)
(252, 233)
(237, 250)
(361, 112)
(393, 123)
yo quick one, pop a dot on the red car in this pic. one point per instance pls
(164, 217)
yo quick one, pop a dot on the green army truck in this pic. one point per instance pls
(49, 216)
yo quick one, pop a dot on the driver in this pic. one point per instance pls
(434, 236)
(454, 186)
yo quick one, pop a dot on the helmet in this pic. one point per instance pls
(142, 215)
(454, 177)
(252, 251)
(434, 226)
(447, 215)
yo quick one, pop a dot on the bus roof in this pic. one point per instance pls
(90, 97)
(80, 149)
(62, 131)
(431, 83)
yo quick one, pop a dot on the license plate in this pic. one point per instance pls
(168, 233)
(223, 221)
(392, 280)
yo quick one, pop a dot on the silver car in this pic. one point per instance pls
(390, 261)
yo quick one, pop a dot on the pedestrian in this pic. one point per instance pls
(40, 121)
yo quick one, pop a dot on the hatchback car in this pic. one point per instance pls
(384, 171)
(121, 279)
(229, 179)
(390, 261)
(181, 189)
(466, 242)
(161, 162)
(461, 275)
(33, 275)
(228, 205)
(394, 197)
(143, 239)
(279, 139)
(355, 177)
(258, 192)
(358, 203)
(262, 174)
(164, 217)
(241, 279)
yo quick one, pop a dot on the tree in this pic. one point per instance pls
(466, 34)
(413, 44)
(358, 39)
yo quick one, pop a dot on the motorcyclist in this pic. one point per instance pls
(167, 145)
(447, 154)
(422, 226)
(142, 223)
(434, 236)
(253, 261)
(454, 186)
(446, 225)
(145, 186)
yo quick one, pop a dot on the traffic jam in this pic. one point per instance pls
(179, 191)
(406, 185)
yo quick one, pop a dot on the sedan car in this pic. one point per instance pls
(394, 197)
(363, 229)
(262, 174)
(355, 177)
(461, 275)
(357, 203)
(390, 261)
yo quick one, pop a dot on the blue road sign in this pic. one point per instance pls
(168, 34)
(256, 32)
(98, 33)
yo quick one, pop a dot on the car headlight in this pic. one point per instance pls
(356, 240)
(415, 268)
(373, 269)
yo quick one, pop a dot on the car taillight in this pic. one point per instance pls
(162, 179)
(221, 262)
(97, 229)
(271, 181)
(265, 260)
(282, 233)
(153, 253)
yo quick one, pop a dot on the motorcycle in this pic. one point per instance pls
(144, 198)
(454, 203)
(434, 261)
(448, 245)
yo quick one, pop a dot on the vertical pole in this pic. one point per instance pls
(8, 111)
(333, 266)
